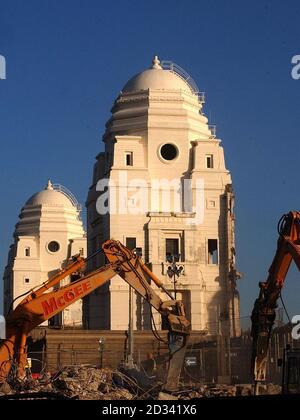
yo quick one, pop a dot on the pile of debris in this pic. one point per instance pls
(92, 383)
(77, 382)
(85, 382)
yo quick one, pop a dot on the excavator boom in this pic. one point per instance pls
(138, 276)
(42, 304)
(263, 314)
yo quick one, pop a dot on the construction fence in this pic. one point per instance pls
(208, 359)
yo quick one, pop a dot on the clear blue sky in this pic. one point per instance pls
(67, 61)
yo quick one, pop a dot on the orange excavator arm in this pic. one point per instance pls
(42, 304)
(263, 314)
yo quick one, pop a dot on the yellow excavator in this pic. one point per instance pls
(44, 302)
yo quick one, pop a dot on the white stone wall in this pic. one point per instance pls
(141, 122)
(40, 224)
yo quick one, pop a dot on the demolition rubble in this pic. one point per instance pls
(91, 383)
(75, 382)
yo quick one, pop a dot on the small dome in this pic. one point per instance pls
(156, 78)
(49, 196)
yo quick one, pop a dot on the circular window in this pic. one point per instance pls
(169, 151)
(53, 246)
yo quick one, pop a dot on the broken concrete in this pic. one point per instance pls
(81, 382)
(91, 383)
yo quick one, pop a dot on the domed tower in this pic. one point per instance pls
(48, 233)
(161, 186)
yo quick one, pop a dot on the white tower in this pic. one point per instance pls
(49, 232)
(169, 193)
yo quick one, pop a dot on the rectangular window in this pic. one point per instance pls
(27, 280)
(209, 161)
(27, 251)
(172, 250)
(129, 158)
(213, 257)
(131, 243)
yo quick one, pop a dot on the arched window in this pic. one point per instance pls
(27, 251)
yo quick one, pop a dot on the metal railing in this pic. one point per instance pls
(179, 71)
(60, 188)
(213, 130)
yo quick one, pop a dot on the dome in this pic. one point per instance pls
(156, 78)
(49, 196)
